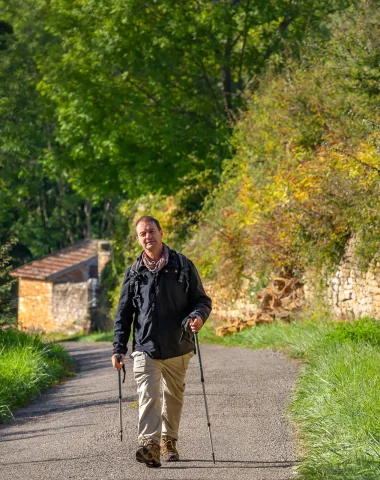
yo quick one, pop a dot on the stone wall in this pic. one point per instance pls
(352, 292)
(71, 304)
(34, 308)
(61, 307)
(229, 305)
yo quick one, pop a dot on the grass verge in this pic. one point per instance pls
(78, 337)
(27, 367)
(337, 409)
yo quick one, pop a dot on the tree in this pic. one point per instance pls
(146, 92)
(5, 31)
(38, 204)
(7, 306)
(305, 175)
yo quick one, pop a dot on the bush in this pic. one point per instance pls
(305, 176)
(7, 315)
(364, 330)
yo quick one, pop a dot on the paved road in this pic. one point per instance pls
(71, 432)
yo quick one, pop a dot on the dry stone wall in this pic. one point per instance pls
(229, 306)
(352, 292)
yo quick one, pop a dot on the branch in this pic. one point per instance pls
(365, 164)
(247, 26)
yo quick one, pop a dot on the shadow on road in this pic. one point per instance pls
(24, 434)
(233, 464)
(48, 460)
(219, 464)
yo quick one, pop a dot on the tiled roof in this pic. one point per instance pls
(57, 263)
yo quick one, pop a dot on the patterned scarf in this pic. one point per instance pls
(153, 266)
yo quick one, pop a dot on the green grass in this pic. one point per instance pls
(27, 367)
(337, 410)
(79, 337)
(297, 338)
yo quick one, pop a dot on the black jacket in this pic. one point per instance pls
(157, 304)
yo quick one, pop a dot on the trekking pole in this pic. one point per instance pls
(204, 394)
(118, 358)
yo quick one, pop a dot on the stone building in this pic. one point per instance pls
(61, 292)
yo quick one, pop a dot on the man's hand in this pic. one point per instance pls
(115, 363)
(196, 324)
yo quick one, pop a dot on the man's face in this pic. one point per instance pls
(149, 236)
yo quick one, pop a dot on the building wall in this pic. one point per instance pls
(34, 308)
(71, 304)
(74, 302)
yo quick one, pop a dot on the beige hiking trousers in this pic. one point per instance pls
(153, 377)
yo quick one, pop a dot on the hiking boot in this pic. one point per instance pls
(149, 453)
(168, 449)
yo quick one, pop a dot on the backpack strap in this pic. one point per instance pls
(184, 270)
(134, 284)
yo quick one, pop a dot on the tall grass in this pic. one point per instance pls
(297, 338)
(27, 367)
(337, 408)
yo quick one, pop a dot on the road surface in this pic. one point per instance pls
(72, 431)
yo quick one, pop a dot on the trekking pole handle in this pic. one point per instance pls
(118, 358)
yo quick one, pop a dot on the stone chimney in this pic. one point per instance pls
(104, 256)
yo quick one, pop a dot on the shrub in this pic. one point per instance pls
(305, 176)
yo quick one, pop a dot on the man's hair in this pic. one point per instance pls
(147, 218)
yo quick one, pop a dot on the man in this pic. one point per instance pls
(163, 296)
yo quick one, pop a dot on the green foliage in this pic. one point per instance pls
(103, 102)
(27, 367)
(305, 175)
(38, 204)
(145, 92)
(365, 330)
(7, 315)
